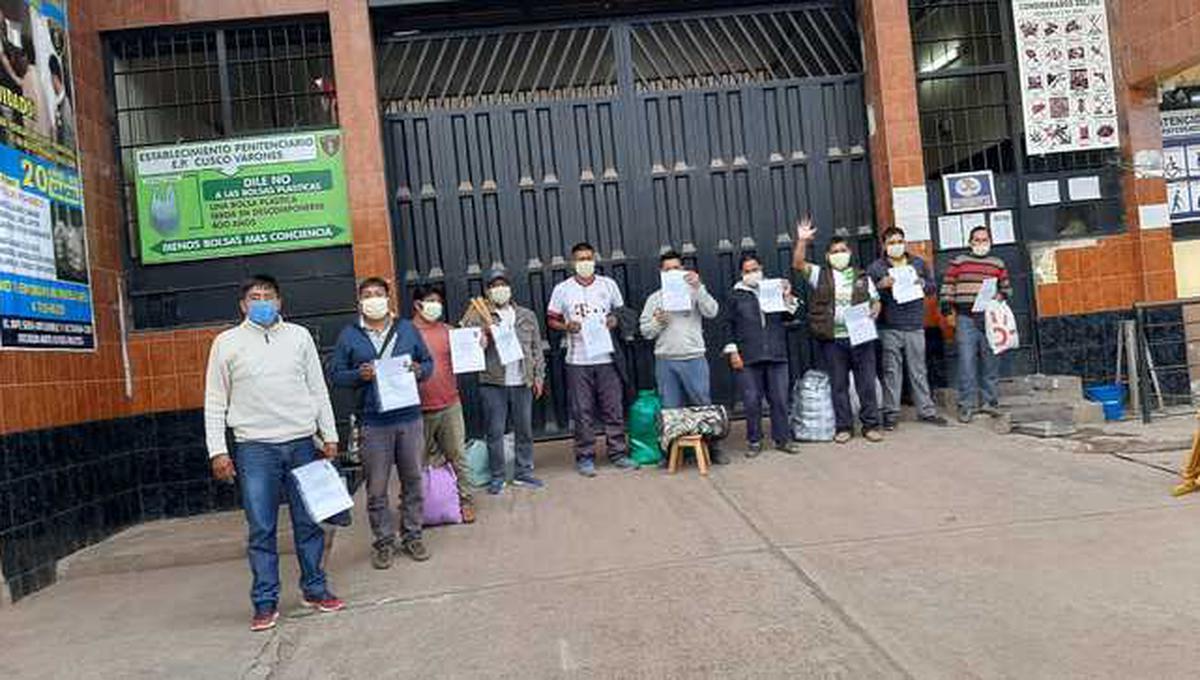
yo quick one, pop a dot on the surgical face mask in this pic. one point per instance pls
(895, 250)
(263, 312)
(374, 308)
(839, 260)
(500, 295)
(431, 310)
(752, 279)
(981, 249)
(585, 268)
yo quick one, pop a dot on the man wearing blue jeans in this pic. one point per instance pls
(680, 366)
(265, 382)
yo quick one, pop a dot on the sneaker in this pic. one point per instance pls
(965, 415)
(753, 449)
(526, 479)
(842, 437)
(934, 419)
(587, 468)
(717, 456)
(381, 556)
(264, 620)
(992, 410)
(788, 447)
(495, 487)
(873, 436)
(468, 512)
(625, 463)
(890, 424)
(415, 549)
(325, 603)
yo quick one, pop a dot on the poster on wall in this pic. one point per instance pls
(1181, 164)
(1067, 92)
(242, 196)
(969, 191)
(45, 284)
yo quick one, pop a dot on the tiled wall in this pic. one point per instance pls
(1111, 275)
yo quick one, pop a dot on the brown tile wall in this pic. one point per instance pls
(47, 389)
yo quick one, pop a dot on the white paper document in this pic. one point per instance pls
(859, 324)
(1003, 231)
(906, 285)
(597, 341)
(507, 344)
(322, 490)
(987, 293)
(396, 384)
(1044, 193)
(676, 293)
(950, 232)
(466, 350)
(770, 296)
(1084, 188)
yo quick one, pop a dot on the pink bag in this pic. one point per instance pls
(441, 496)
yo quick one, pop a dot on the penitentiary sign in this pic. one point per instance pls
(242, 196)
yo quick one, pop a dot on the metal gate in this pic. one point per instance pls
(707, 133)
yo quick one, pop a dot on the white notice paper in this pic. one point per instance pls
(322, 489)
(987, 293)
(911, 208)
(1084, 188)
(466, 350)
(676, 293)
(597, 341)
(1044, 193)
(396, 383)
(970, 222)
(860, 325)
(950, 232)
(770, 296)
(1002, 228)
(906, 285)
(507, 344)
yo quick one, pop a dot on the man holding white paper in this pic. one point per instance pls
(903, 280)
(514, 378)
(978, 367)
(393, 437)
(584, 307)
(265, 382)
(841, 316)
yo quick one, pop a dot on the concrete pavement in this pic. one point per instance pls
(952, 553)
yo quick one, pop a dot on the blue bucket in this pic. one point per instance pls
(1111, 397)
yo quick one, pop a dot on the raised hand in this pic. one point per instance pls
(804, 229)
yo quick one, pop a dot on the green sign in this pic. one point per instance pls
(242, 196)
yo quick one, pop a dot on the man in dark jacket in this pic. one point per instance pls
(902, 327)
(395, 437)
(757, 353)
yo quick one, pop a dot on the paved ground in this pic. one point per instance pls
(966, 555)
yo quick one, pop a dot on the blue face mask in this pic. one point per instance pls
(263, 312)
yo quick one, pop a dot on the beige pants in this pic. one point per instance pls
(445, 437)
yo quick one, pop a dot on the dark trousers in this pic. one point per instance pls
(594, 395)
(401, 446)
(841, 358)
(502, 405)
(768, 380)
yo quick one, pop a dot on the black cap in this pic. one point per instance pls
(496, 274)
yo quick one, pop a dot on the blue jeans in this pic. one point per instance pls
(971, 341)
(683, 382)
(264, 470)
(502, 405)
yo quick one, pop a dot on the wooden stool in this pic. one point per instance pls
(694, 442)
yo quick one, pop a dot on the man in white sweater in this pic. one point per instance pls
(265, 382)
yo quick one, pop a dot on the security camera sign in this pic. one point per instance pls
(241, 197)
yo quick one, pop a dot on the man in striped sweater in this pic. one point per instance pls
(961, 285)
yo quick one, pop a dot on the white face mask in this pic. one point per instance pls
(980, 250)
(374, 308)
(839, 260)
(752, 279)
(895, 250)
(585, 268)
(500, 295)
(431, 310)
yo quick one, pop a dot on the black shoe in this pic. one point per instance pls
(992, 410)
(753, 449)
(717, 456)
(889, 424)
(381, 556)
(935, 419)
(415, 548)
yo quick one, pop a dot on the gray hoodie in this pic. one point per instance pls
(682, 337)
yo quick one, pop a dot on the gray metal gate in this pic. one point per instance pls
(708, 133)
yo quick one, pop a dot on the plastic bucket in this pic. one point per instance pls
(1111, 397)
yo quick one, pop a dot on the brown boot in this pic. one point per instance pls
(468, 513)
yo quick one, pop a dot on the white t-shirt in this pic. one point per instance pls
(843, 294)
(514, 373)
(573, 301)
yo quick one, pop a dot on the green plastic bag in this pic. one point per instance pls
(643, 428)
